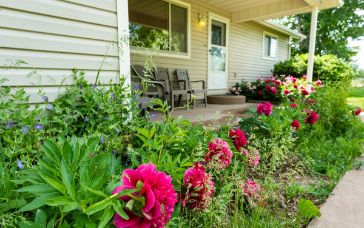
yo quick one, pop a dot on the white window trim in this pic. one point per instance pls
(263, 46)
(170, 54)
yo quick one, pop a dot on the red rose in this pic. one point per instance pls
(267, 88)
(357, 112)
(293, 106)
(264, 108)
(295, 124)
(304, 92)
(238, 137)
(260, 93)
(273, 90)
(312, 117)
(286, 91)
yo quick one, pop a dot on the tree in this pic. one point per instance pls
(335, 27)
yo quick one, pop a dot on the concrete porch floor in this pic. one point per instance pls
(211, 113)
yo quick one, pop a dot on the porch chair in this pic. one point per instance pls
(151, 90)
(138, 82)
(182, 75)
(173, 88)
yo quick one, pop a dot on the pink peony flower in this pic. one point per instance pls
(357, 112)
(200, 187)
(293, 105)
(278, 82)
(295, 124)
(251, 189)
(318, 83)
(158, 192)
(238, 137)
(254, 158)
(219, 154)
(312, 117)
(273, 90)
(286, 91)
(294, 79)
(264, 108)
(245, 152)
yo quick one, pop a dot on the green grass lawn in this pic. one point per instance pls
(356, 97)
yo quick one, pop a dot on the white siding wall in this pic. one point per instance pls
(54, 36)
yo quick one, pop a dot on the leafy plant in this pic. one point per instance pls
(327, 67)
(69, 181)
(307, 209)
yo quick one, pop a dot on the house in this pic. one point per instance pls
(221, 41)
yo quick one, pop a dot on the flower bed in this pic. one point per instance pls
(274, 89)
(89, 160)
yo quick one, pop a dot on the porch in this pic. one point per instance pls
(221, 42)
(213, 113)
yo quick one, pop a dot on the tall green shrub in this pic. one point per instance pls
(326, 67)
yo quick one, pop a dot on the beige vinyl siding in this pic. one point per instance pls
(53, 37)
(246, 52)
(245, 49)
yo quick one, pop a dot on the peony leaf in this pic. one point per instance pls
(99, 193)
(118, 208)
(98, 206)
(106, 217)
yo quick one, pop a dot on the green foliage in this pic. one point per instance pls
(326, 68)
(71, 179)
(307, 209)
(335, 27)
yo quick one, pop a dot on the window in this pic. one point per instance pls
(270, 46)
(159, 25)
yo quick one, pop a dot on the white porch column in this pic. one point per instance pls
(123, 38)
(311, 53)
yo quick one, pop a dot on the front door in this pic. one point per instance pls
(218, 51)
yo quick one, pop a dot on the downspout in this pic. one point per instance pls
(311, 52)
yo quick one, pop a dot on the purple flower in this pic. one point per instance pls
(10, 124)
(20, 164)
(44, 98)
(25, 129)
(136, 87)
(112, 97)
(49, 107)
(115, 152)
(38, 127)
(152, 115)
(102, 140)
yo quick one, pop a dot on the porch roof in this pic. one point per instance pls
(259, 10)
(294, 35)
